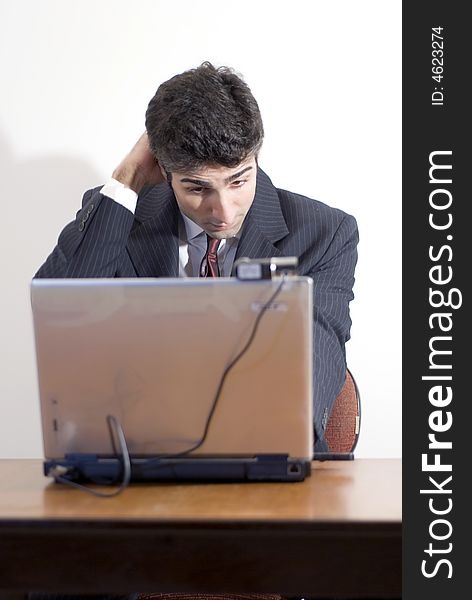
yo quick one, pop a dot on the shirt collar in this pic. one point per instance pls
(192, 230)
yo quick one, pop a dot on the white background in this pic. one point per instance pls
(76, 78)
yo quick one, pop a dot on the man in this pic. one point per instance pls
(193, 178)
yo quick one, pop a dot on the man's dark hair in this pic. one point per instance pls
(203, 116)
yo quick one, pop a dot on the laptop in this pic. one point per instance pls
(186, 379)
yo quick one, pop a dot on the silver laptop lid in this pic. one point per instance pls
(151, 352)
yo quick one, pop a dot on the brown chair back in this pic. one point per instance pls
(342, 431)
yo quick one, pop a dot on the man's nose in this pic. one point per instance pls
(222, 208)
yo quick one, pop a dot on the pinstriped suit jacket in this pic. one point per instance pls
(107, 240)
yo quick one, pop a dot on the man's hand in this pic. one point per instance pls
(139, 167)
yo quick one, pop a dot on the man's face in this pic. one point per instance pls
(217, 198)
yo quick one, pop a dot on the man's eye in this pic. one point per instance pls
(197, 190)
(239, 182)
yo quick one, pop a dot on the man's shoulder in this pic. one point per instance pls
(300, 207)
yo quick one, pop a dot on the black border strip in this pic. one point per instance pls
(436, 252)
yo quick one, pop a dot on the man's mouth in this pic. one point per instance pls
(220, 225)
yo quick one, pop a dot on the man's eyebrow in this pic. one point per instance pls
(205, 183)
(196, 181)
(236, 175)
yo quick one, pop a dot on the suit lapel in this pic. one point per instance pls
(153, 245)
(264, 224)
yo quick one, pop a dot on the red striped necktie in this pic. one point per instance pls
(209, 266)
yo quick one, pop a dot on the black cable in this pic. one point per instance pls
(228, 368)
(111, 421)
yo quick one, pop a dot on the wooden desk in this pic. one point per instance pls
(336, 534)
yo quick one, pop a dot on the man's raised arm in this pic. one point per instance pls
(93, 245)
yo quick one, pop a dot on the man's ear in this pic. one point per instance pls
(164, 172)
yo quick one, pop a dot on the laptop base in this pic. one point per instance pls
(109, 469)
